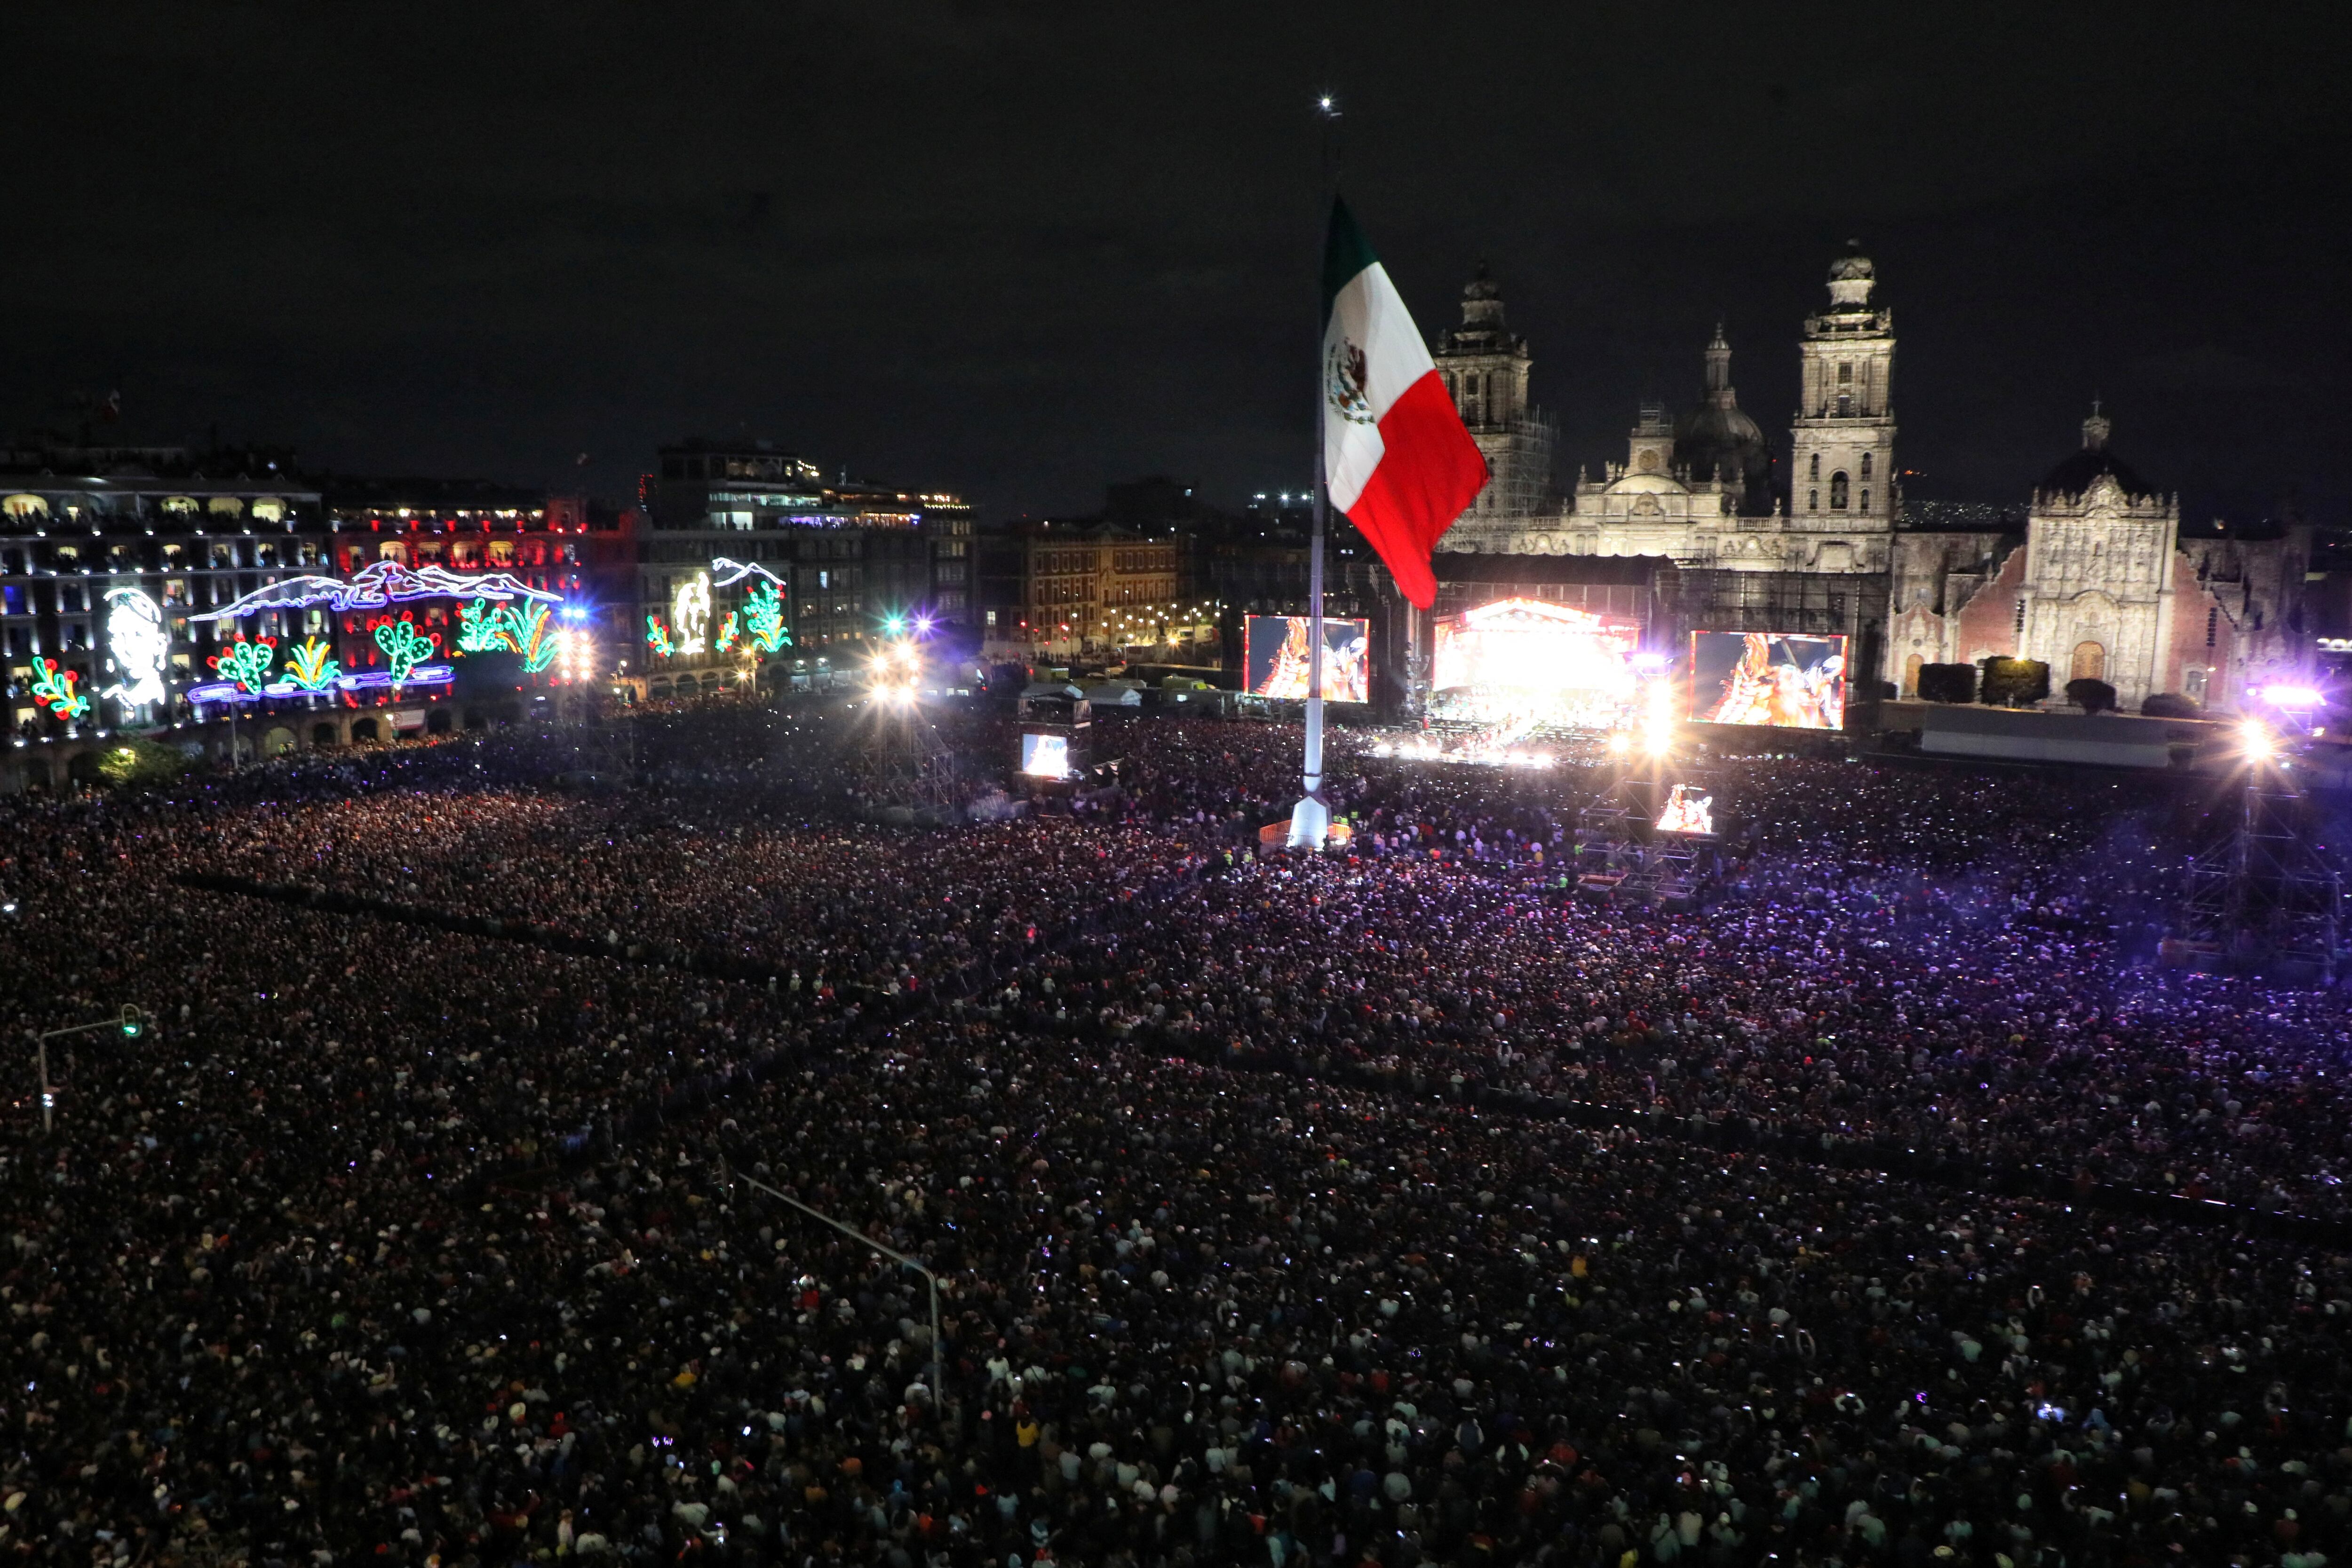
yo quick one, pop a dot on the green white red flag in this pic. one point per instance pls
(1396, 458)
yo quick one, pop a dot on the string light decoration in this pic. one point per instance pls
(310, 667)
(406, 646)
(247, 663)
(52, 688)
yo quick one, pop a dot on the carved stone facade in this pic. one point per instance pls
(2101, 585)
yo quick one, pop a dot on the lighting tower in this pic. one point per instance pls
(2265, 898)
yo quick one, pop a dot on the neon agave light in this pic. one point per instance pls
(657, 637)
(247, 663)
(763, 613)
(406, 646)
(519, 628)
(727, 633)
(378, 584)
(54, 689)
(309, 668)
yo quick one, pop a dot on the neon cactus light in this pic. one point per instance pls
(309, 668)
(54, 689)
(763, 614)
(727, 633)
(657, 637)
(247, 663)
(482, 629)
(406, 646)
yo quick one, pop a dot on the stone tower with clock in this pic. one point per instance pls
(1841, 467)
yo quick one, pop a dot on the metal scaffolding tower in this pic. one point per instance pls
(2265, 900)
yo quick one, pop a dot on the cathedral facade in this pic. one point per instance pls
(2098, 582)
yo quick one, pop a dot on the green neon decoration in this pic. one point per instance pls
(406, 646)
(763, 614)
(480, 628)
(310, 667)
(54, 689)
(528, 634)
(657, 637)
(247, 663)
(727, 633)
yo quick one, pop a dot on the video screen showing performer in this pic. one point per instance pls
(1688, 812)
(1045, 756)
(1275, 650)
(1765, 678)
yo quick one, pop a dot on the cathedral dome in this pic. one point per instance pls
(1846, 267)
(2084, 467)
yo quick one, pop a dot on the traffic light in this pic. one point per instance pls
(134, 1023)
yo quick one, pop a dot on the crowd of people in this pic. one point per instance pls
(1255, 1229)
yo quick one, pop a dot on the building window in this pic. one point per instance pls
(1846, 375)
(1866, 468)
(2194, 682)
(1846, 405)
(1865, 500)
(1815, 471)
(1837, 491)
(1812, 500)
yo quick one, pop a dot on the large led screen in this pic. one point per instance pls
(1275, 648)
(1761, 677)
(1525, 664)
(1046, 756)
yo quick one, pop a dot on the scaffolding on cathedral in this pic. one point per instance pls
(1523, 484)
(2264, 900)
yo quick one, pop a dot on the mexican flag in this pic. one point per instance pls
(1395, 456)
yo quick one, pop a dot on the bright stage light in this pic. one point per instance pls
(2257, 742)
(2292, 697)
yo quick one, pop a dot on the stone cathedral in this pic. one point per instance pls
(2101, 580)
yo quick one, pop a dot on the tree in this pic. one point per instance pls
(139, 762)
(2091, 696)
(2170, 704)
(2015, 683)
(1947, 682)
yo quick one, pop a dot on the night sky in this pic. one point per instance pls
(1019, 251)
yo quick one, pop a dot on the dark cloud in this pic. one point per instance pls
(1019, 249)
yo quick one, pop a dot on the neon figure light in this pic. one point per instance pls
(309, 668)
(377, 585)
(54, 689)
(136, 636)
(246, 664)
(689, 612)
(406, 646)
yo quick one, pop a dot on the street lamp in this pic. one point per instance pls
(132, 1021)
(939, 1383)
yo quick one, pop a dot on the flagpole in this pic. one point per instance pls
(1310, 820)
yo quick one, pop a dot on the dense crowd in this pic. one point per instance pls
(384, 1245)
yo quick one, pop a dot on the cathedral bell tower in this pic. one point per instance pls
(1842, 469)
(1484, 367)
